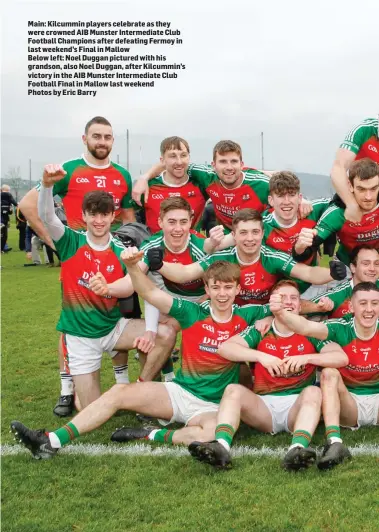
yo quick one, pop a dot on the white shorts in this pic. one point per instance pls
(185, 405)
(368, 409)
(279, 406)
(83, 355)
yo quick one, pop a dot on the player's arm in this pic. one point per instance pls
(142, 284)
(330, 356)
(176, 273)
(297, 323)
(324, 305)
(217, 240)
(128, 215)
(29, 207)
(340, 181)
(318, 274)
(121, 288)
(141, 185)
(52, 173)
(237, 349)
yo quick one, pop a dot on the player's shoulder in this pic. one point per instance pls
(120, 169)
(269, 253)
(332, 210)
(72, 164)
(341, 323)
(153, 241)
(116, 244)
(252, 175)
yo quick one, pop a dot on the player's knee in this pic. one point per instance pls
(166, 334)
(233, 392)
(312, 395)
(113, 394)
(329, 376)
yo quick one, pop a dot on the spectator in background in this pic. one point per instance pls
(21, 226)
(7, 200)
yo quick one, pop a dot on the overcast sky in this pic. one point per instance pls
(302, 73)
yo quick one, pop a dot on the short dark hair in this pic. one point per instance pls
(226, 146)
(354, 254)
(222, 271)
(284, 183)
(363, 169)
(98, 201)
(171, 204)
(173, 143)
(246, 215)
(365, 287)
(96, 120)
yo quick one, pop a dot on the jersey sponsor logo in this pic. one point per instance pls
(82, 180)
(157, 196)
(372, 148)
(174, 194)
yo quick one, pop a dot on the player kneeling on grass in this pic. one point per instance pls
(193, 397)
(283, 398)
(350, 395)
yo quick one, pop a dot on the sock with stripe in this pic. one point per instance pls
(67, 383)
(161, 435)
(333, 433)
(64, 435)
(121, 374)
(300, 438)
(224, 434)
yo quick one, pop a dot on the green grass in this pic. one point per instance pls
(74, 493)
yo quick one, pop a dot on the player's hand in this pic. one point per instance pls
(305, 209)
(276, 302)
(294, 364)
(353, 213)
(272, 364)
(140, 188)
(338, 270)
(263, 325)
(99, 285)
(155, 258)
(51, 174)
(146, 342)
(325, 304)
(305, 239)
(216, 234)
(131, 256)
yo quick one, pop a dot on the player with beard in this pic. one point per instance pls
(170, 179)
(261, 266)
(193, 397)
(283, 396)
(92, 171)
(362, 141)
(228, 184)
(364, 185)
(364, 265)
(350, 395)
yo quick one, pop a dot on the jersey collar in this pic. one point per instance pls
(173, 184)
(284, 226)
(234, 188)
(180, 251)
(282, 335)
(96, 247)
(246, 263)
(217, 320)
(360, 337)
(95, 165)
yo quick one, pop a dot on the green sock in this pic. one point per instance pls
(302, 437)
(225, 433)
(333, 431)
(163, 435)
(67, 433)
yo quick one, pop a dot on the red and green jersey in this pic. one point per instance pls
(257, 278)
(192, 253)
(251, 193)
(159, 190)
(361, 375)
(280, 346)
(350, 234)
(83, 312)
(203, 372)
(283, 237)
(363, 140)
(82, 177)
(341, 296)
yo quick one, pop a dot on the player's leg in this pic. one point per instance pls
(164, 342)
(120, 367)
(65, 405)
(338, 407)
(303, 418)
(149, 398)
(237, 403)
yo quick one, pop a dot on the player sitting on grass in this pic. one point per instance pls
(350, 395)
(193, 397)
(261, 266)
(283, 398)
(364, 265)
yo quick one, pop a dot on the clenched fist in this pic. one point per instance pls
(98, 284)
(51, 174)
(276, 302)
(325, 304)
(304, 240)
(131, 256)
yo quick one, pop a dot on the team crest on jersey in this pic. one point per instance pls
(116, 182)
(246, 197)
(110, 268)
(191, 193)
(300, 347)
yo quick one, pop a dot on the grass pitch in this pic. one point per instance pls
(142, 490)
